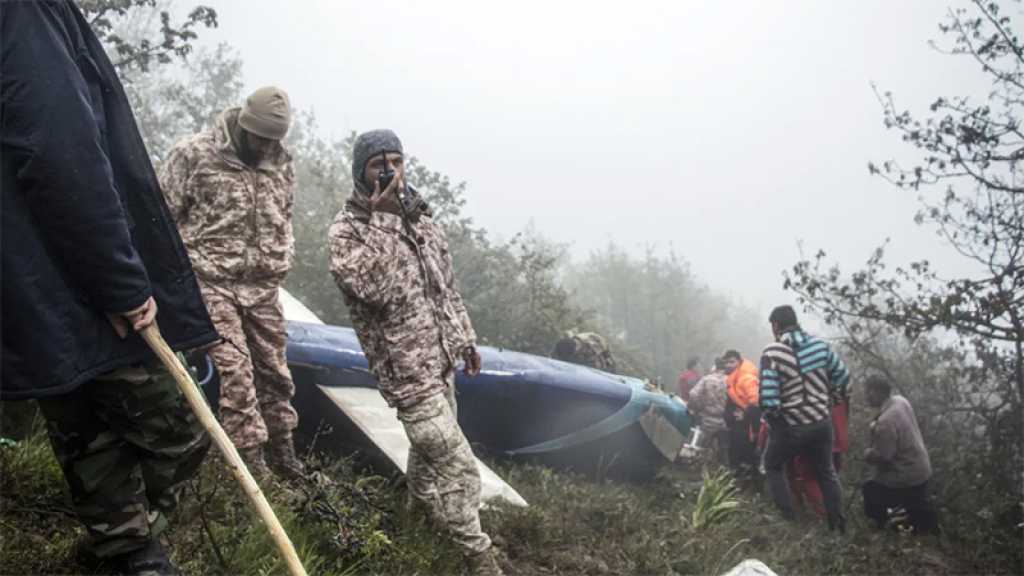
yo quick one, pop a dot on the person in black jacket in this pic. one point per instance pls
(89, 252)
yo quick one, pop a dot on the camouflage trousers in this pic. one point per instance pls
(126, 441)
(256, 387)
(442, 472)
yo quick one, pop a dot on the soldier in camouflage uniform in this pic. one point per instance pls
(586, 348)
(395, 274)
(123, 501)
(230, 190)
(708, 400)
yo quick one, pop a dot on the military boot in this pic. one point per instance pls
(484, 564)
(253, 457)
(151, 560)
(282, 459)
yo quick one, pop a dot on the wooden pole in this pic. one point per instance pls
(151, 334)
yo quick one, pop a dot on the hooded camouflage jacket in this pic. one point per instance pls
(401, 293)
(236, 220)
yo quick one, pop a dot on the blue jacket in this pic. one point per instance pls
(85, 230)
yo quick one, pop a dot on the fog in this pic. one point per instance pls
(729, 132)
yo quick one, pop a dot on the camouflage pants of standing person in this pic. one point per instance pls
(126, 441)
(256, 387)
(442, 472)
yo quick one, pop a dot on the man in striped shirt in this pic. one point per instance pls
(801, 379)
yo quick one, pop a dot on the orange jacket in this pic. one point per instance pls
(743, 384)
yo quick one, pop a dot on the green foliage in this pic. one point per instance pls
(169, 40)
(36, 523)
(174, 90)
(347, 522)
(340, 521)
(512, 290)
(323, 173)
(969, 184)
(33, 460)
(172, 104)
(576, 525)
(659, 314)
(954, 346)
(718, 499)
(970, 442)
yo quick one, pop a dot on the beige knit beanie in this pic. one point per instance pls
(267, 113)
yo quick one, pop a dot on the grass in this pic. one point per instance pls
(350, 521)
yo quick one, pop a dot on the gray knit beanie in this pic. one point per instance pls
(267, 113)
(368, 145)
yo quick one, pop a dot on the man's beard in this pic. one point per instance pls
(247, 155)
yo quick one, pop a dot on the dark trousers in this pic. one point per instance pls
(879, 499)
(743, 440)
(721, 446)
(813, 442)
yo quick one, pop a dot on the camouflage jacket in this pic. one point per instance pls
(404, 303)
(236, 220)
(593, 351)
(707, 400)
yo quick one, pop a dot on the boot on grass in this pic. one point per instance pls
(282, 459)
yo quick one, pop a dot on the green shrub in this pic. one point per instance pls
(718, 499)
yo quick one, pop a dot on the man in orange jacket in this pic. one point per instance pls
(743, 413)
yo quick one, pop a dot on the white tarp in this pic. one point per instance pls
(750, 567)
(368, 410)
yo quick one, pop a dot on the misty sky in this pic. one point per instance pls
(728, 131)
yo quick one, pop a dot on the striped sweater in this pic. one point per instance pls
(801, 378)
